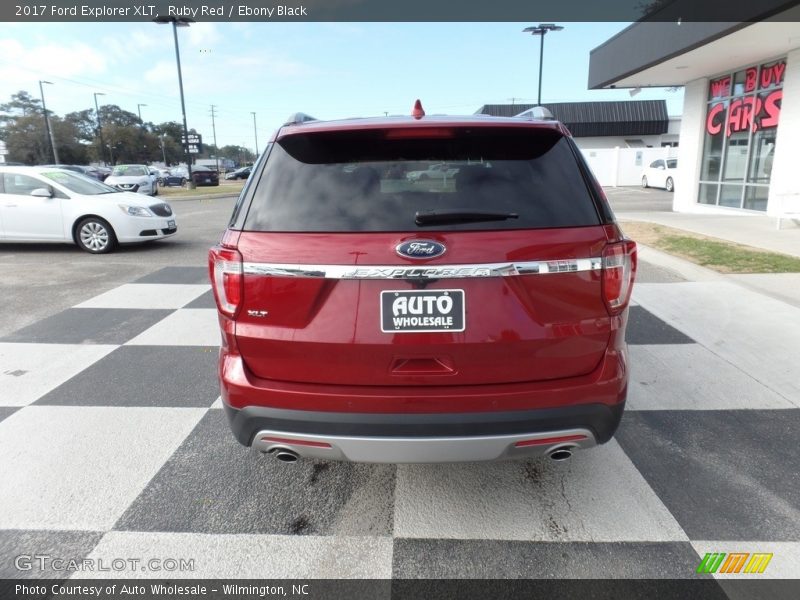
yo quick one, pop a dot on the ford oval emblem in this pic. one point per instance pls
(420, 249)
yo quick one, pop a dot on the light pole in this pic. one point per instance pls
(100, 128)
(47, 122)
(139, 108)
(163, 152)
(541, 30)
(255, 131)
(180, 22)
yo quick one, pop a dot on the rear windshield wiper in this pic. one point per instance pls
(455, 215)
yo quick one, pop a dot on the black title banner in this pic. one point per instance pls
(407, 10)
(397, 589)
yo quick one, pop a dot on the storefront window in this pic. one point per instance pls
(761, 151)
(755, 197)
(708, 193)
(741, 125)
(736, 157)
(730, 195)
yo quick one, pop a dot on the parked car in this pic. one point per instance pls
(241, 173)
(176, 176)
(204, 176)
(43, 204)
(159, 174)
(437, 171)
(661, 174)
(83, 169)
(133, 178)
(104, 172)
(377, 321)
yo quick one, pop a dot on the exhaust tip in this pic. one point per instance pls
(560, 454)
(285, 455)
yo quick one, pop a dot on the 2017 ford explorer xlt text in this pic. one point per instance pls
(374, 317)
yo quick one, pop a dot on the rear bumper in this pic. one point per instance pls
(426, 423)
(420, 438)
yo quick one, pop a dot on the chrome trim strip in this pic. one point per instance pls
(421, 449)
(509, 269)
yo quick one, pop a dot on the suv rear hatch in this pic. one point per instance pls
(517, 295)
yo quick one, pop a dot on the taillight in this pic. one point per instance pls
(619, 270)
(225, 270)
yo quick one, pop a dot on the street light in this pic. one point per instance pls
(139, 108)
(541, 30)
(180, 22)
(47, 121)
(100, 128)
(255, 131)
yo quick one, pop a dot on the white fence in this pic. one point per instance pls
(623, 166)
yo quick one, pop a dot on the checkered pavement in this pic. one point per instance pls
(112, 445)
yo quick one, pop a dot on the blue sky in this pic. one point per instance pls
(328, 70)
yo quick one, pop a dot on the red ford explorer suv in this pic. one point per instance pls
(373, 317)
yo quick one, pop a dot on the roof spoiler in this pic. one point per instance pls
(537, 113)
(299, 118)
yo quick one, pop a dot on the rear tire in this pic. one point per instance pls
(644, 182)
(670, 185)
(95, 235)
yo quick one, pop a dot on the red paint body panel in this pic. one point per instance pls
(525, 328)
(607, 384)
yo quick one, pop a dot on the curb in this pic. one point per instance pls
(686, 269)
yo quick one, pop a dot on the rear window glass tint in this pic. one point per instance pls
(370, 180)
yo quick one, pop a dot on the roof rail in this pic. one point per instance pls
(537, 113)
(299, 118)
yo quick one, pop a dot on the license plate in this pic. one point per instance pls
(170, 224)
(404, 311)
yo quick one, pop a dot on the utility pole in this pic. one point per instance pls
(47, 123)
(141, 130)
(100, 128)
(255, 131)
(214, 130)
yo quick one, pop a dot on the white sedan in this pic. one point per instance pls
(134, 178)
(42, 204)
(661, 174)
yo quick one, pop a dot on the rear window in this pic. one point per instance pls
(379, 180)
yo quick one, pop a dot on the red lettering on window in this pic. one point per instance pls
(751, 78)
(721, 87)
(772, 106)
(741, 116)
(772, 74)
(713, 127)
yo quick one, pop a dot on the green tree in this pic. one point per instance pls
(25, 139)
(22, 104)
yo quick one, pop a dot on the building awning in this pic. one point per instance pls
(595, 119)
(648, 54)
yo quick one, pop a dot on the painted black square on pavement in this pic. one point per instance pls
(143, 376)
(724, 475)
(89, 326)
(212, 484)
(204, 301)
(504, 559)
(187, 275)
(646, 328)
(7, 411)
(68, 545)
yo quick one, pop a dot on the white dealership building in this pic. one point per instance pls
(740, 129)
